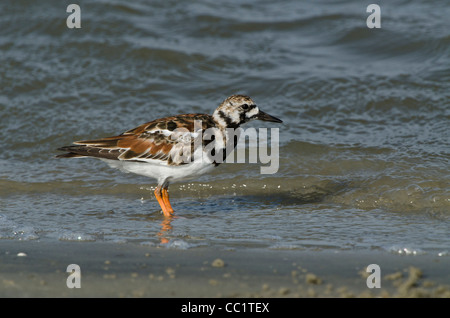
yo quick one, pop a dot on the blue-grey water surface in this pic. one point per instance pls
(364, 147)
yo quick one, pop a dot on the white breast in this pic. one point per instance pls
(161, 171)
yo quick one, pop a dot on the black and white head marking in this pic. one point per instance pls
(235, 111)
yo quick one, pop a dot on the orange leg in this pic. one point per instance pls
(167, 210)
(165, 197)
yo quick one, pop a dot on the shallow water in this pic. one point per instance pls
(364, 147)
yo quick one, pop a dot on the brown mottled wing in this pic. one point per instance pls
(167, 140)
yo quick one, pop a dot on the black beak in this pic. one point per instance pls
(266, 117)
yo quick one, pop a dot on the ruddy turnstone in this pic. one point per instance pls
(174, 148)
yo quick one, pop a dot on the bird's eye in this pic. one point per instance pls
(245, 106)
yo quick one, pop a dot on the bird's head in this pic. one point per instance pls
(239, 109)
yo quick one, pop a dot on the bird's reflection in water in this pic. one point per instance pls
(165, 225)
(165, 228)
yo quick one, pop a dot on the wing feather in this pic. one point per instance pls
(169, 140)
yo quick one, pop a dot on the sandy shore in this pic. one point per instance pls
(38, 269)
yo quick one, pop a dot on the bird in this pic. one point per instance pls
(174, 148)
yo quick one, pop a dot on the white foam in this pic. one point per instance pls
(405, 250)
(11, 230)
(75, 236)
(180, 244)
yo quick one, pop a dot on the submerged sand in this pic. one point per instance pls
(38, 269)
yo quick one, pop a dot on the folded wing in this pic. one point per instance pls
(168, 140)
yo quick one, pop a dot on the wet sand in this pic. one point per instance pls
(38, 269)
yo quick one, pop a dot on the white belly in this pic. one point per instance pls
(161, 171)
